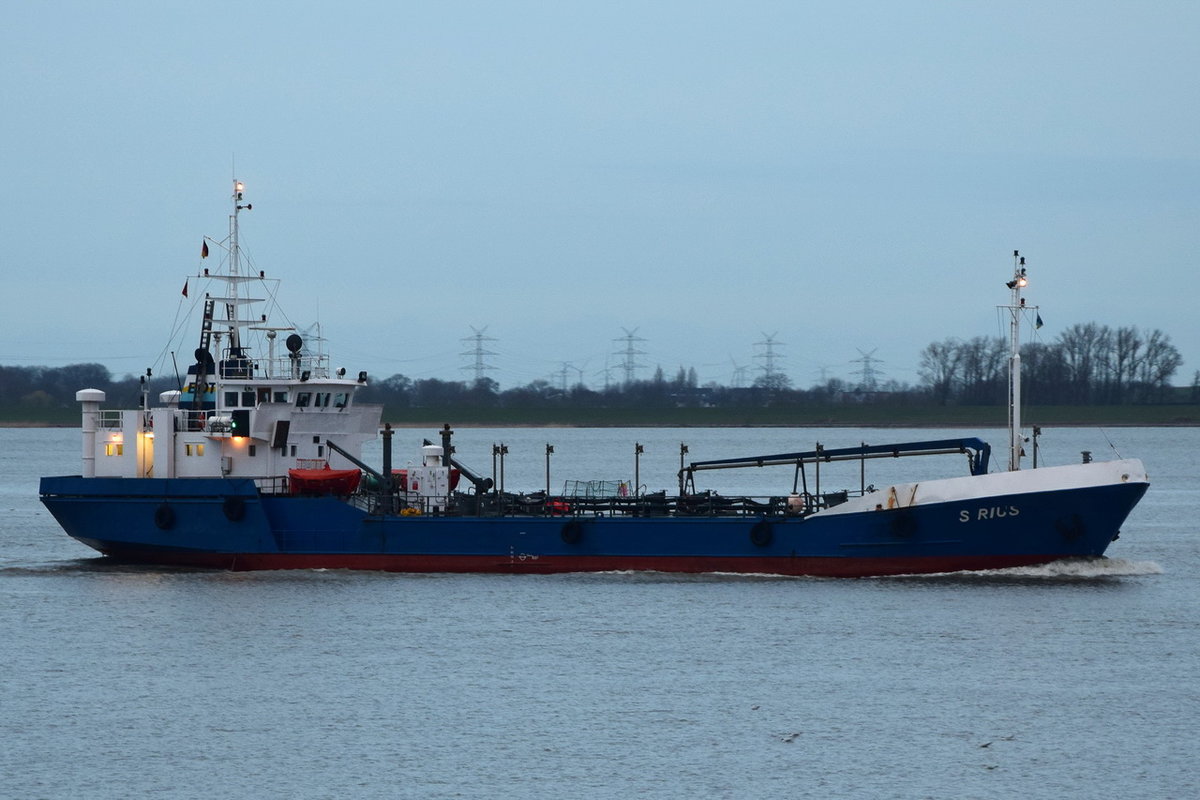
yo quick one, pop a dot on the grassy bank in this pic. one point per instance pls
(851, 416)
(39, 418)
(817, 416)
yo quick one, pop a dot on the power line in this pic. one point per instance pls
(629, 355)
(868, 372)
(562, 372)
(770, 359)
(478, 352)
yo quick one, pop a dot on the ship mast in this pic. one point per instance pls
(235, 255)
(1019, 281)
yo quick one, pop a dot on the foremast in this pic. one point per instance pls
(1016, 306)
(205, 368)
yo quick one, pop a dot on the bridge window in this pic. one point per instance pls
(193, 449)
(303, 399)
(114, 449)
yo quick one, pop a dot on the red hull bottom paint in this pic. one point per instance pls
(812, 567)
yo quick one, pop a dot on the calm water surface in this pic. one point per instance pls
(1074, 680)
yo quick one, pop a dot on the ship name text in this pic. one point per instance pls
(988, 512)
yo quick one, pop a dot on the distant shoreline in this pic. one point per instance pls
(1178, 415)
(415, 425)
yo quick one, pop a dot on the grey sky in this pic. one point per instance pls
(844, 175)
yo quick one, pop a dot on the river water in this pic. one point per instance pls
(1072, 680)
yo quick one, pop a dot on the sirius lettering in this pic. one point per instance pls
(992, 512)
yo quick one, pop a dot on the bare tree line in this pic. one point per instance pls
(1087, 364)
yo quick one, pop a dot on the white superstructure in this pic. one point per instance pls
(238, 413)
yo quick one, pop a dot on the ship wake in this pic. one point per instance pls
(1067, 569)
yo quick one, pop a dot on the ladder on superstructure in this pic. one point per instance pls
(203, 356)
(206, 323)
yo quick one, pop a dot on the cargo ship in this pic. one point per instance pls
(256, 462)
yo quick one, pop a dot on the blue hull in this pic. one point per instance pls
(227, 523)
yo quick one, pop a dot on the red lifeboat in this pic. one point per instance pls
(323, 481)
